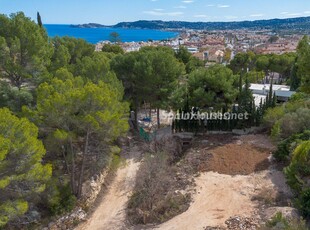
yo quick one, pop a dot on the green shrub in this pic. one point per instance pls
(289, 119)
(276, 220)
(116, 161)
(14, 98)
(280, 222)
(286, 146)
(297, 174)
(276, 131)
(283, 151)
(292, 178)
(295, 122)
(299, 167)
(303, 203)
(273, 115)
(61, 200)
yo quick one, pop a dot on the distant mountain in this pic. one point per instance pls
(89, 25)
(277, 24)
(296, 24)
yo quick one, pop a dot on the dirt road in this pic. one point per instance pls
(110, 214)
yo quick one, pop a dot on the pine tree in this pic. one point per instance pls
(25, 51)
(22, 173)
(75, 113)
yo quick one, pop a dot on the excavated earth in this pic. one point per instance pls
(236, 186)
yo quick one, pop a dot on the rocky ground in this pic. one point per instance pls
(236, 186)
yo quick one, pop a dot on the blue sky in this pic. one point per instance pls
(110, 12)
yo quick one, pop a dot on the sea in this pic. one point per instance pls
(95, 35)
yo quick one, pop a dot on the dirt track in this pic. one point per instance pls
(111, 213)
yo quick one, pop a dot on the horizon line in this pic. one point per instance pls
(235, 21)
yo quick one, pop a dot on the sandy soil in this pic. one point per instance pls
(219, 197)
(237, 178)
(111, 213)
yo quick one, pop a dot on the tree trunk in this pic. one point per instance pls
(158, 118)
(65, 159)
(73, 186)
(136, 115)
(83, 166)
(136, 120)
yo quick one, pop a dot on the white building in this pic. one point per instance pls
(260, 92)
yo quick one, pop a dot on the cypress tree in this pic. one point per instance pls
(260, 111)
(39, 19)
(254, 112)
(294, 80)
(270, 95)
(274, 100)
(240, 88)
(261, 104)
(267, 102)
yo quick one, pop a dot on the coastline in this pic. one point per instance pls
(95, 34)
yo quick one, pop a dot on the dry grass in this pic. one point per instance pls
(156, 198)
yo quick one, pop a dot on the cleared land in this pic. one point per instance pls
(234, 177)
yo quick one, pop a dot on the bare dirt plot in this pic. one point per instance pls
(217, 197)
(235, 159)
(231, 155)
(247, 183)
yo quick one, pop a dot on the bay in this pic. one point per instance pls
(94, 35)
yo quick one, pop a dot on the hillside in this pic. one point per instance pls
(295, 24)
(235, 184)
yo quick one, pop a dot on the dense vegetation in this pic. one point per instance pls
(63, 109)
(290, 128)
(22, 174)
(63, 106)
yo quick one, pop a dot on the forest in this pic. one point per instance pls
(64, 106)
